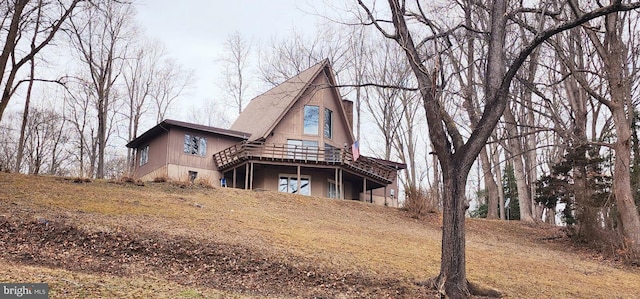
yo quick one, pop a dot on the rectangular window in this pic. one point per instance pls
(302, 149)
(144, 155)
(311, 119)
(332, 189)
(328, 123)
(192, 175)
(289, 183)
(195, 145)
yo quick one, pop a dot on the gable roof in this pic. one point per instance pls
(168, 123)
(265, 111)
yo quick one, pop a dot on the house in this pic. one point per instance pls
(296, 138)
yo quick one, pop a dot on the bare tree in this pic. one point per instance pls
(20, 15)
(456, 156)
(100, 35)
(234, 74)
(383, 104)
(613, 52)
(287, 57)
(80, 115)
(210, 113)
(45, 135)
(27, 101)
(170, 81)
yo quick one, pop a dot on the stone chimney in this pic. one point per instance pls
(348, 109)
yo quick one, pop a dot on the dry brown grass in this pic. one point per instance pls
(348, 236)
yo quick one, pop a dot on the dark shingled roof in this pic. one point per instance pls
(167, 123)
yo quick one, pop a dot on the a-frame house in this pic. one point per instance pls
(296, 138)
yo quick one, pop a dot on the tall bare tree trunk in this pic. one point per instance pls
(498, 170)
(622, 112)
(516, 157)
(613, 53)
(25, 118)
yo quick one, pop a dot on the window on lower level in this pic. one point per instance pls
(332, 189)
(192, 176)
(289, 184)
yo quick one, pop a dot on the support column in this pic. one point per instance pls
(234, 177)
(246, 176)
(341, 184)
(251, 178)
(385, 196)
(335, 176)
(299, 183)
(364, 189)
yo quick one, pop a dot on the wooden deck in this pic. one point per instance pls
(305, 155)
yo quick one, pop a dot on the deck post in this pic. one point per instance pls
(234, 177)
(364, 189)
(385, 196)
(251, 178)
(299, 183)
(335, 176)
(341, 184)
(246, 176)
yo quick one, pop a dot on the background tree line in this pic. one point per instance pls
(87, 81)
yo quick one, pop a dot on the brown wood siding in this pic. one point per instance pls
(167, 157)
(176, 155)
(157, 158)
(291, 125)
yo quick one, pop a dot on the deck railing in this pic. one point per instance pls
(238, 153)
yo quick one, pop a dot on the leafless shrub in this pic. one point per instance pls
(204, 183)
(80, 180)
(160, 179)
(420, 202)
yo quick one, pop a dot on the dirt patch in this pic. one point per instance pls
(191, 262)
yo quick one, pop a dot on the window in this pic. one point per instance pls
(328, 123)
(195, 145)
(144, 155)
(332, 189)
(302, 149)
(289, 183)
(311, 117)
(192, 175)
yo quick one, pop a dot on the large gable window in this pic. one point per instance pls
(195, 145)
(328, 123)
(311, 119)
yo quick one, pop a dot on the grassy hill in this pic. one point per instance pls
(120, 240)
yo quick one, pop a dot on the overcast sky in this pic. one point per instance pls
(194, 31)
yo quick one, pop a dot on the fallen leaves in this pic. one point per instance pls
(184, 260)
